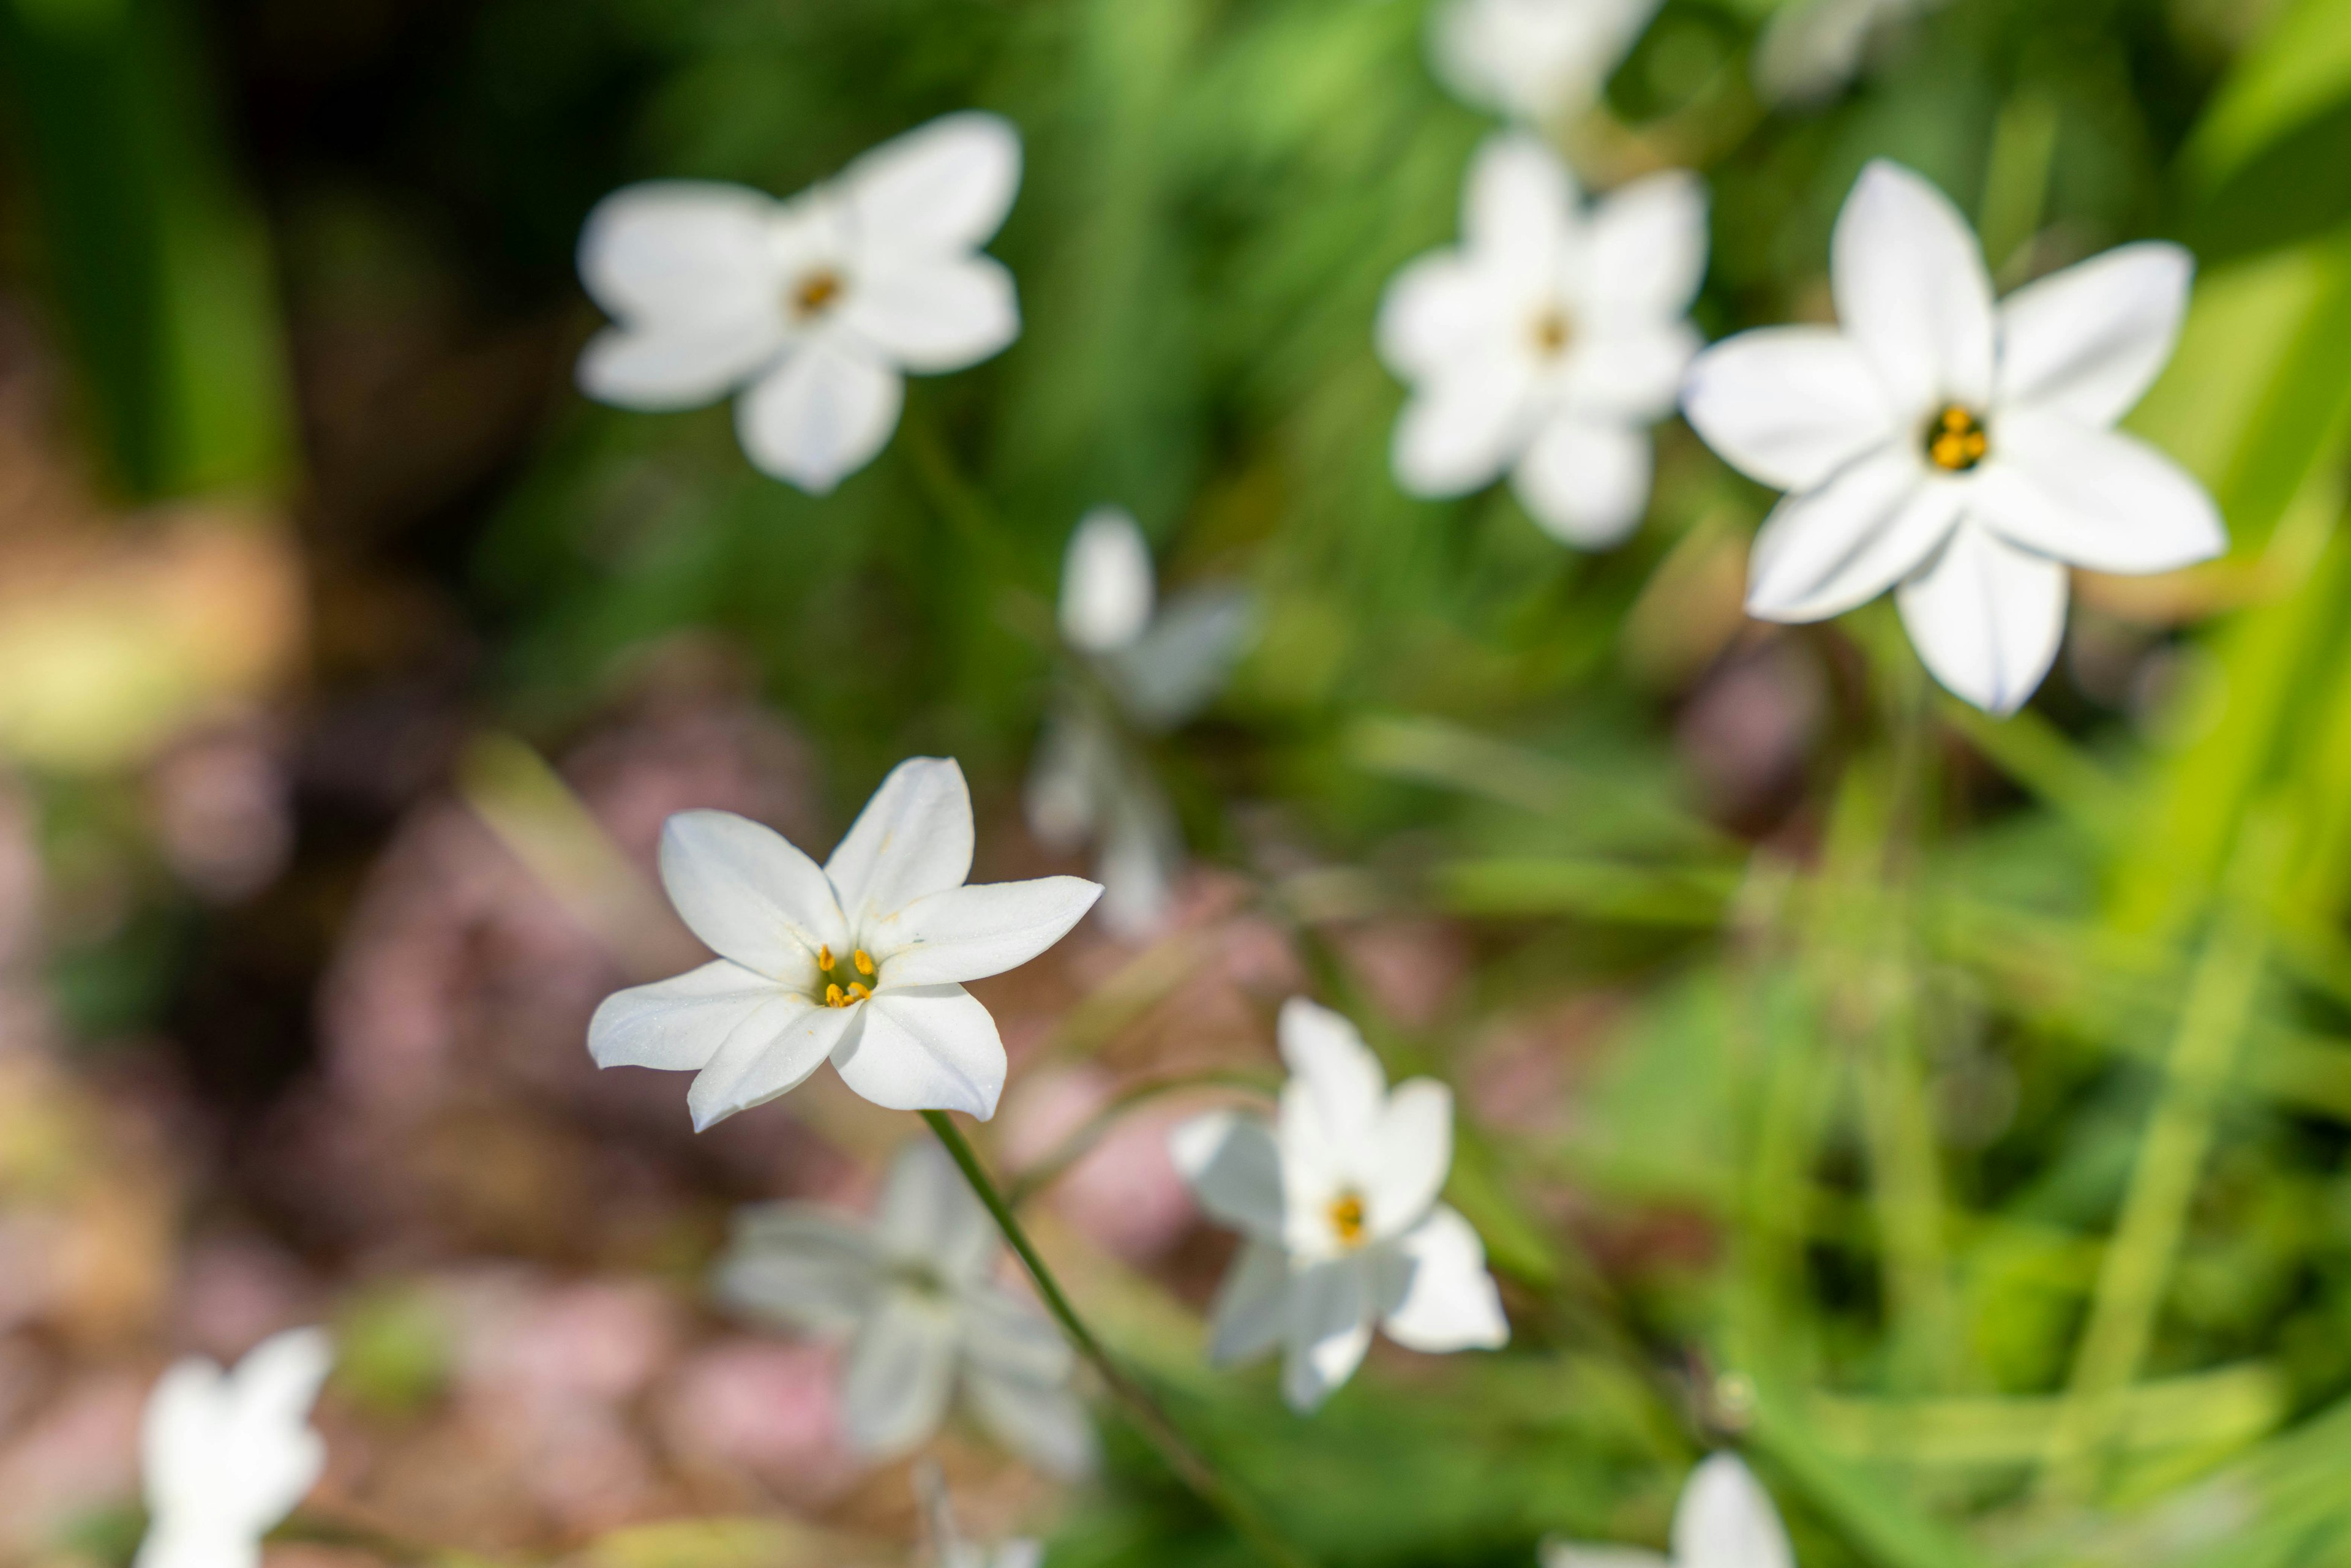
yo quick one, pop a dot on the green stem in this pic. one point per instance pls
(1045, 1172)
(1195, 1471)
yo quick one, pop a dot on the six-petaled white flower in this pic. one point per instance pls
(1534, 60)
(1724, 1520)
(816, 305)
(915, 1290)
(858, 961)
(1089, 781)
(1550, 342)
(1958, 453)
(1338, 1209)
(227, 1455)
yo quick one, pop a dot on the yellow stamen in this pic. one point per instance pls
(1956, 440)
(1347, 1219)
(817, 291)
(864, 962)
(1552, 332)
(834, 996)
(825, 957)
(860, 991)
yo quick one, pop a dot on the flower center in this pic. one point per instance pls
(1551, 330)
(817, 292)
(844, 980)
(1346, 1214)
(1955, 440)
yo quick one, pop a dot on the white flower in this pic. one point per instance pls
(1534, 60)
(1337, 1206)
(1088, 782)
(856, 960)
(1956, 451)
(915, 1291)
(1811, 48)
(1548, 343)
(816, 305)
(1724, 1519)
(227, 1455)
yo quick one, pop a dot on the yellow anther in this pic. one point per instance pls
(834, 996)
(1553, 332)
(860, 991)
(814, 293)
(1957, 441)
(1347, 1219)
(825, 957)
(864, 962)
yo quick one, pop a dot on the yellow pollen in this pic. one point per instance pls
(1552, 332)
(816, 293)
(864, 962)
(835, 997)
(825, 957)
(859, 992)
(1955, 440)
(1347, 1219)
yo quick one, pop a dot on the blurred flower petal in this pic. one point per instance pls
(1106, 583)
(1821, 552)
(900, 1372)
(928, 1214)
(1789, 405)
(2088, 342)
(935, 315)
(1234, 1167)
(1987, 618)
(1725, 1518)
(944, 187)
(1444, 1300)
(1912, 292)
(1585, 483)
(2094, 497)
(822, 416)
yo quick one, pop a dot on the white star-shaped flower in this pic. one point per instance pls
(1534, 60)
(1958, 453)
(1338, 1210)
(1724, 1519)
(227, 1455)
(858, 960)
(1089, 783)
(914, 1291)
(817, 304)
(1548, 343)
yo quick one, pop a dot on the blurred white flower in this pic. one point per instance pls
(1089, 783)
(1339, 1214)
(228, 1455)
(1534, 60)
(913, 1290)
(948, 1548)
(1724, 1519)
(1550, 342)
(1956, 451)
(816, 305)
(1812, 49)
(856, 960)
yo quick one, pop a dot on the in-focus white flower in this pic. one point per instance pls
(1534, 60)
(227, 1455)
(1958, 453)
(1338, 1210)
(816, 305)
(1724, 1519)
(1547, 344)
(858, 961)
(1812, 49)
(914, 1291)
(1090, 782)
(948, 1547)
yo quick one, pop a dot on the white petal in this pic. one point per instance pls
(1986, 618)
(1415, 1144)
(1442, 1299)
(683, 251)
(1811, 48)
(1463, 425)
(821, 415)
(2088, 342)
(971, 933)
(205, 1546)
(932, 1049)
(913, 838)
(900, 1372)
(935, 313)
(1519, 209)
(1045, 1424)
(1648, 247)
(1336, 1080)
(1724, 1519)
(1018, 1553)
(1432, 311)
(1106, 583)
(2094, 497)
(1329, 1330)
(1912, 292)
(1170, 673)
(1788, 405)
(1234, 1167)
(941, 187)
(802, 1266)
(678, 1025)
(1633, 369)
(678, 364)
(769, 1054)
(1142, 850)
(1011, 1339)
(228, 1455)
(1062, 798)
(1252, 1307)
(750, 895)
(1536, 59)
(1823, 551)
(1585, 482)
(1576, 1554)
(928, 1214)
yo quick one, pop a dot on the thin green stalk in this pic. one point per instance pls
(2138, 1259)
(1193, 1471)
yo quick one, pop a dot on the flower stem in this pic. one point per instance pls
(1195, 1471)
